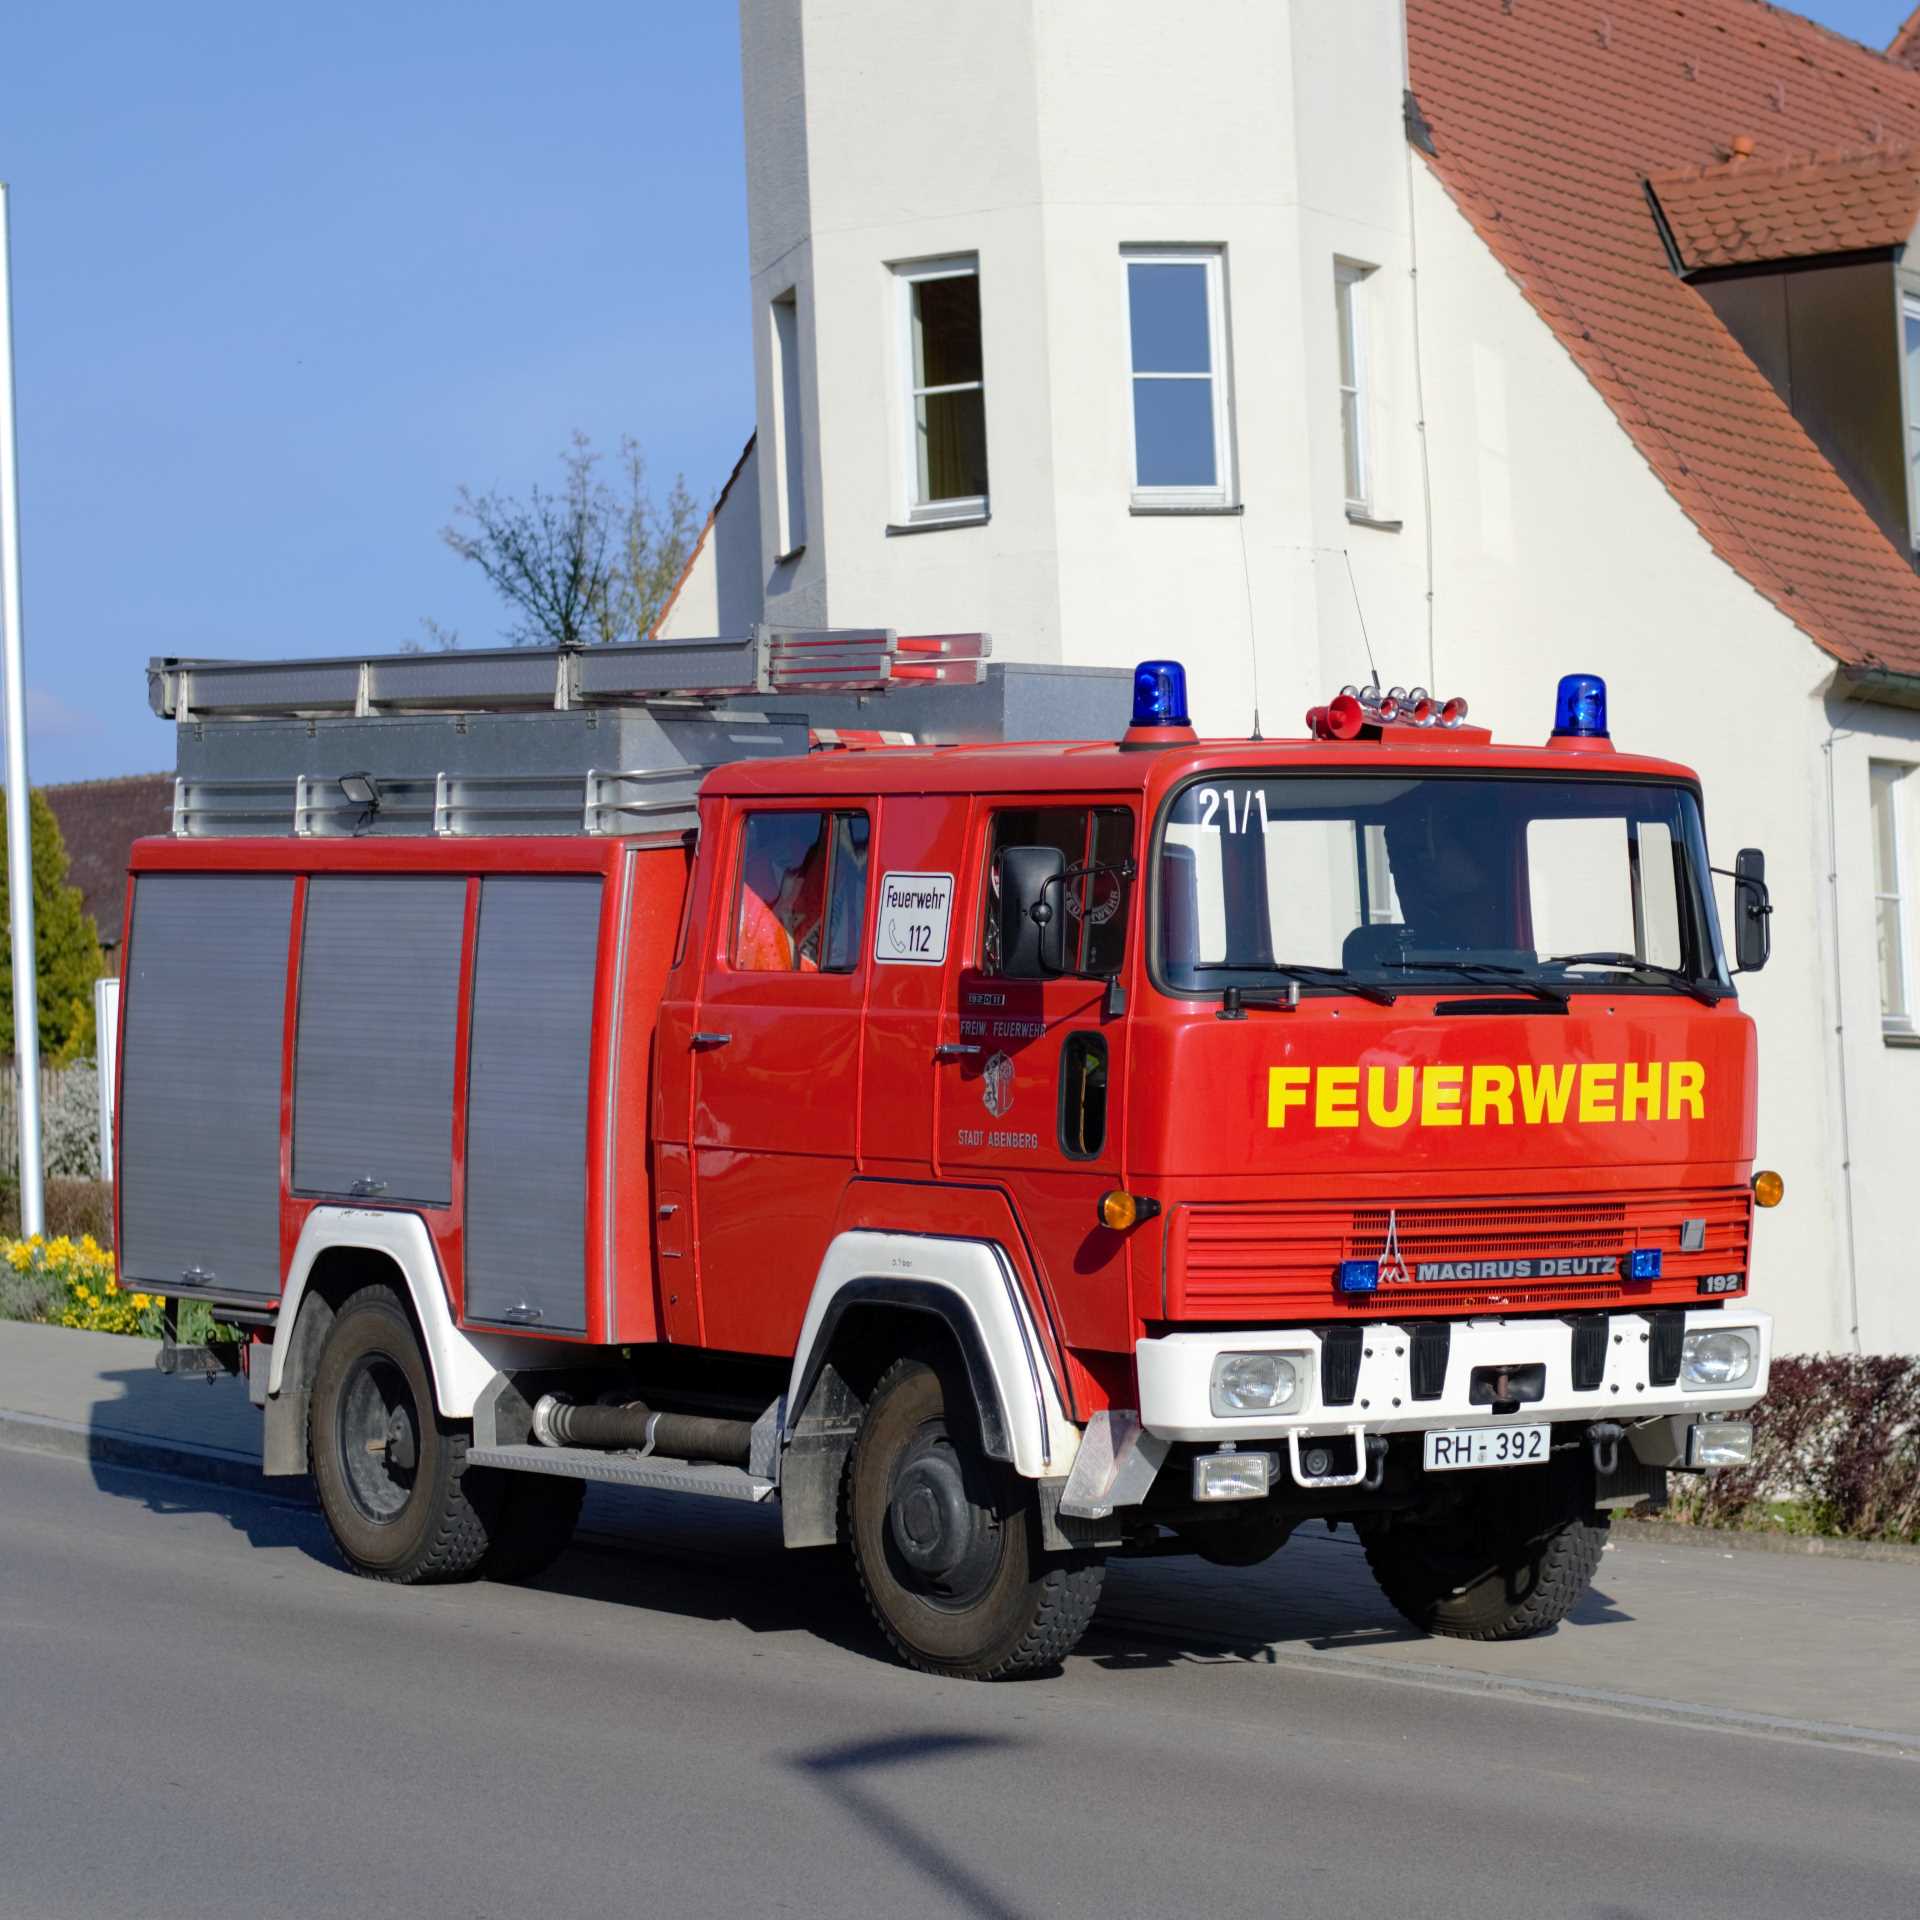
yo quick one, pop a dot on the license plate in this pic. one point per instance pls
(1486, 1447)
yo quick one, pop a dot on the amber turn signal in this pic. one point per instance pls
(1768, 1189)
(1121, 1210)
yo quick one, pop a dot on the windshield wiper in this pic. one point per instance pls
(1309, 976)
(1493, 973)
(1705, 991)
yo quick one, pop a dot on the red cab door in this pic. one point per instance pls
(776, 1051)
(1032, 1073)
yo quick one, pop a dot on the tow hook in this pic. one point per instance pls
(1604, 1436)
(1376, 1462)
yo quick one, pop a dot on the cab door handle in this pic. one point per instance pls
(955, 1049)
(712, 1039)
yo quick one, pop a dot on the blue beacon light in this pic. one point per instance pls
(1160, 694)
(1581, 708)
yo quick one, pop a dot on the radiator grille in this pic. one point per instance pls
(1261, 1259)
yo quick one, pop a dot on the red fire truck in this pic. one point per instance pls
(1003, 1148)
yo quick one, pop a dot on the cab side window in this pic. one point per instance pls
(801, 904)
(1096, 903)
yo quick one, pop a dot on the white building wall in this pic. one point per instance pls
(720, 593)
(1559, 550)
(1045, 135)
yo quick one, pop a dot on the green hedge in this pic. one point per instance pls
(1836, 1450)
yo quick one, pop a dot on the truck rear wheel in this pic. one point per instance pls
(390, 1471)
(1511, 1563)
(946, 1541)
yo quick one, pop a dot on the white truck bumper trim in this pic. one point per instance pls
(1176, 1375)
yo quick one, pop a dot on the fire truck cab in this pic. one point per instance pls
(1003, 1154)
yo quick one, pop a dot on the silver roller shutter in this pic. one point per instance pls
(527, 1093)
(204, 1021)
(379, 1000)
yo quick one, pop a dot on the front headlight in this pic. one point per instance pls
(1258, 1382)
(1718, 1357)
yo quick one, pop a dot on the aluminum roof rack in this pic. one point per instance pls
(599, 740)
(766, 661)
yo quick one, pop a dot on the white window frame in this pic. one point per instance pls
(789, 426)
(914, 511)
(1891, 776)
(1910, 409)
(1223, 494)
(1350, 317)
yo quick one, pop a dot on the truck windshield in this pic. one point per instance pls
(1435, 881)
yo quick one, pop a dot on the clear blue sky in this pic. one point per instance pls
(284, 278)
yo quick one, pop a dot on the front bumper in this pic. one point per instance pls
(1176, 1373)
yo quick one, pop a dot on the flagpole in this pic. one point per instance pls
(26, 996)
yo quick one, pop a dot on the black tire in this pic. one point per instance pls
(946, 1541)
(390, 1471)
(1511, 1563)
(538, 1513)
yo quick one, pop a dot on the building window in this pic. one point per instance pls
(789, 443)
(1891, 927)
(1910, 362)
(1176, 319)
(946, 402)
(1350, 317)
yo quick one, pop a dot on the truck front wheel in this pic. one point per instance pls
(1511, 1562)
(946, 1543)
(390, 1471)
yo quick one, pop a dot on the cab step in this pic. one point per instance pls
(627, 1470)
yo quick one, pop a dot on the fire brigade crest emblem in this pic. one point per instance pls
(996, 1085)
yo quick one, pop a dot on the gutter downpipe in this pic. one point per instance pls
(1840, 1037)
(1419, 363)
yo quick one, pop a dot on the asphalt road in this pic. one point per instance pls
(201, 1714)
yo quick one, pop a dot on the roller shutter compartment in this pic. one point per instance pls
(528, 1084)
(204, 1025)
(379, 1001)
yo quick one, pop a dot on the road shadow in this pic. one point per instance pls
(853, 1775)
(720, 1560)
(1316, 1595)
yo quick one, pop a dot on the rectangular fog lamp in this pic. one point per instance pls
(1719, 1443)
(1232, 1476)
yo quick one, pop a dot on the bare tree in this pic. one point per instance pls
(587, 565)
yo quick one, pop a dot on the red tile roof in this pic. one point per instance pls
(1548, 117)
(99, 821)
(1742, 212)
(1905, 45)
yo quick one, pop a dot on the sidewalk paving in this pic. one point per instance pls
(1816, 1647)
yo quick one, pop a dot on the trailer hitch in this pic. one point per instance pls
(1604, 1436)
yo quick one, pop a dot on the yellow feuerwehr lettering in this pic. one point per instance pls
(1378, 1112)
(1544, 1094)
(1286, 1087)
(1596, 1090)
(1640, 1091)
(1336, 1097)
(1440, 1096)
(1686, 1088)
(1490, 1089)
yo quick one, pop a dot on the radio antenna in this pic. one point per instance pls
(1360, 614)
(1253, 645)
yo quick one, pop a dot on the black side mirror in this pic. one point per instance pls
(1753, 911)
(1033, 923)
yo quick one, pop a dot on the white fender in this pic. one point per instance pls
(981, 1279)
(461, 1363)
